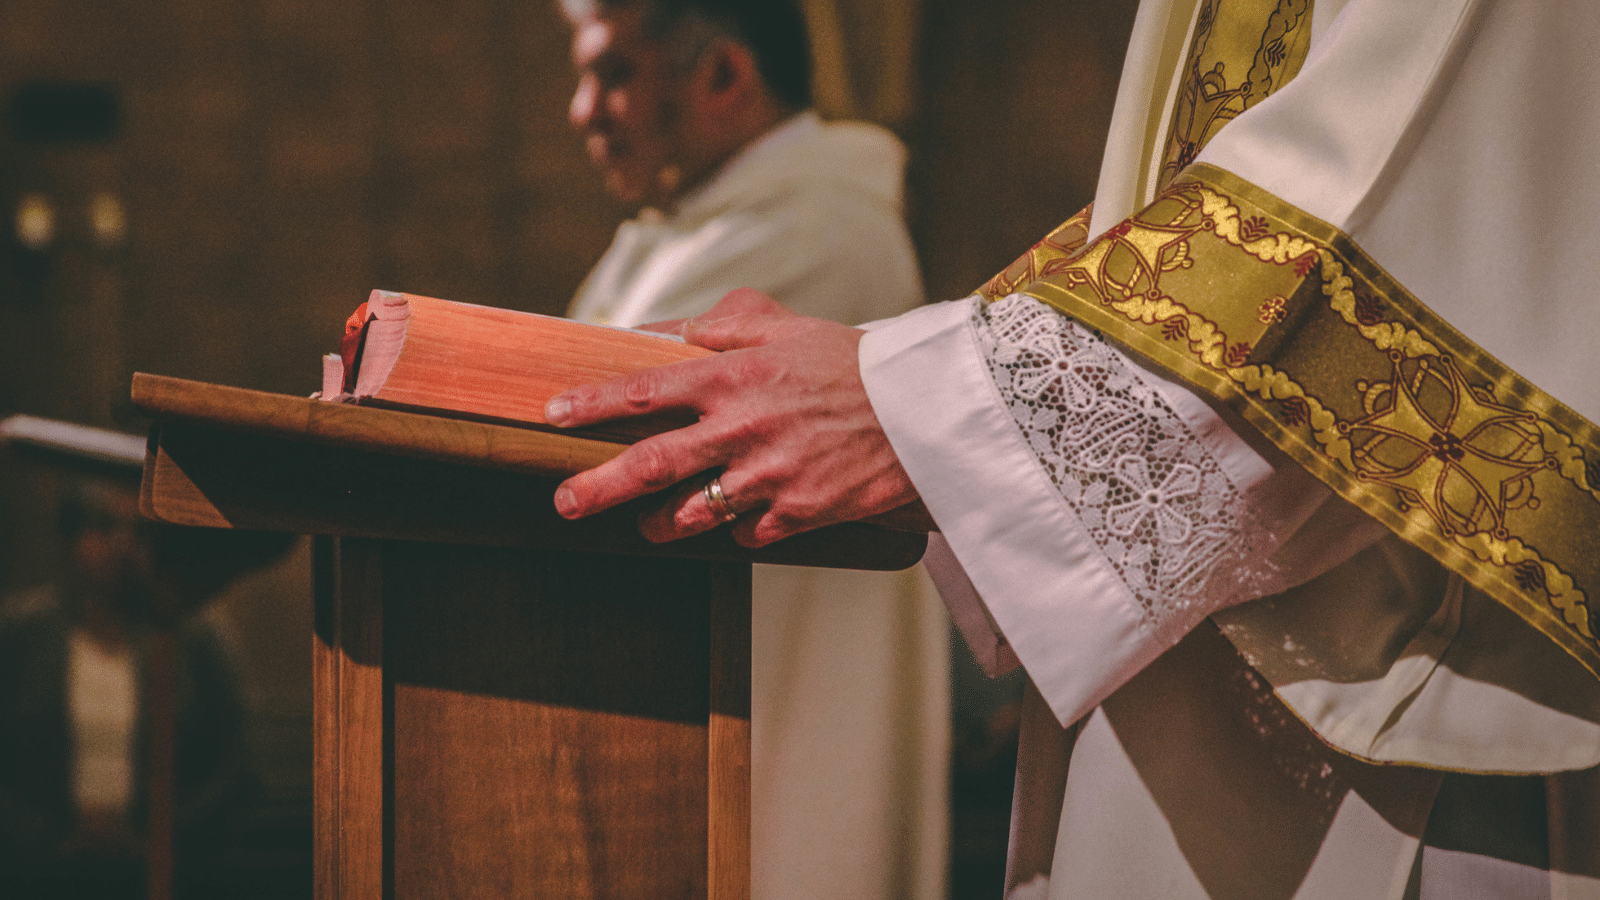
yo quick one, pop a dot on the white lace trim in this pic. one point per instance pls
(1151, 498)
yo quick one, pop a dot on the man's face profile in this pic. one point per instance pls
(627, 103)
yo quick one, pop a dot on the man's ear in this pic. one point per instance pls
(728, 73)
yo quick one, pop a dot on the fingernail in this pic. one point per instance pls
(566, 502)
(557, 411)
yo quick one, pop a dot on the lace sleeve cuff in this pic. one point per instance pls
(1085, 514)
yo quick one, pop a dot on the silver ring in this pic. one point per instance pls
(717, 500)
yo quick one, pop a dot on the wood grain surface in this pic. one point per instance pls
(549, 720)
(393, 432)
(349, 727)
(728, 800)
(385, 431)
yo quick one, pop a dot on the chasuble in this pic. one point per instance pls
(1276, 468)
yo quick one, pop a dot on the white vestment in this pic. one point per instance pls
(1368, 747)
(850, 681)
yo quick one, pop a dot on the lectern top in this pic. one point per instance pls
(235, 458)
(483, 444)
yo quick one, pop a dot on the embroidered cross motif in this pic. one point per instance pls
(1445, 448)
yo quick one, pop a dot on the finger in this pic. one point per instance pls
(743, 302)
(654, 464)
(685, 513)
(776, 521)
(689, 512)
(760, 529)
(744, 318)
(671, 387)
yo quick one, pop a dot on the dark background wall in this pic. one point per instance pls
(271, 161)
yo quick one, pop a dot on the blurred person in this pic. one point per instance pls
(699, 111)
(77, 672)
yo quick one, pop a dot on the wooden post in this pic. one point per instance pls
(349, 726)
(161, 698)
(728, 815)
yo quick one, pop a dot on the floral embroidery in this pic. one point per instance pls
(1272, 310)
(1153, 501)
(1368, 309)
(1530, 575)
(1296, 411)
(1158, 506)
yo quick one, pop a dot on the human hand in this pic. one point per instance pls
(782, 413)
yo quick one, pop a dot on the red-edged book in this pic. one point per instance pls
(482, 362)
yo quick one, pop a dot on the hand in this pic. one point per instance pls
(782, 414)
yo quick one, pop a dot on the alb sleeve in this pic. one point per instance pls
(1092, 511)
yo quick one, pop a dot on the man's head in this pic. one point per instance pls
(141, 571)
(107, 543)
(669, 89)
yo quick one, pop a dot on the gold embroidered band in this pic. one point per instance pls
(1238, 55)
(1043, 258)
(1283, 317)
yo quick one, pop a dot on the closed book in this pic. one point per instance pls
(459, 359)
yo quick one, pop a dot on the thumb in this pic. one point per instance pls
(744, 318)
(743, 301)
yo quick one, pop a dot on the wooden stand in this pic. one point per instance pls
(507, 704)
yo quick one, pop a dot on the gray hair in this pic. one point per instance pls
(774, 31)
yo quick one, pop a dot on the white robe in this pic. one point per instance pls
(1458, 143)
(850, 682)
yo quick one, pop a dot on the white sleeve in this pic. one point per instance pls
(1096, 512)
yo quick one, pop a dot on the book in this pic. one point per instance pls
(500, 365)
(70, 440)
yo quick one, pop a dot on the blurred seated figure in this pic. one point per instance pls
(85, 661)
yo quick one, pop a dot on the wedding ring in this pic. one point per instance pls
(718, 501)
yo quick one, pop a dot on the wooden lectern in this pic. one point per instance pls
(507, 704)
